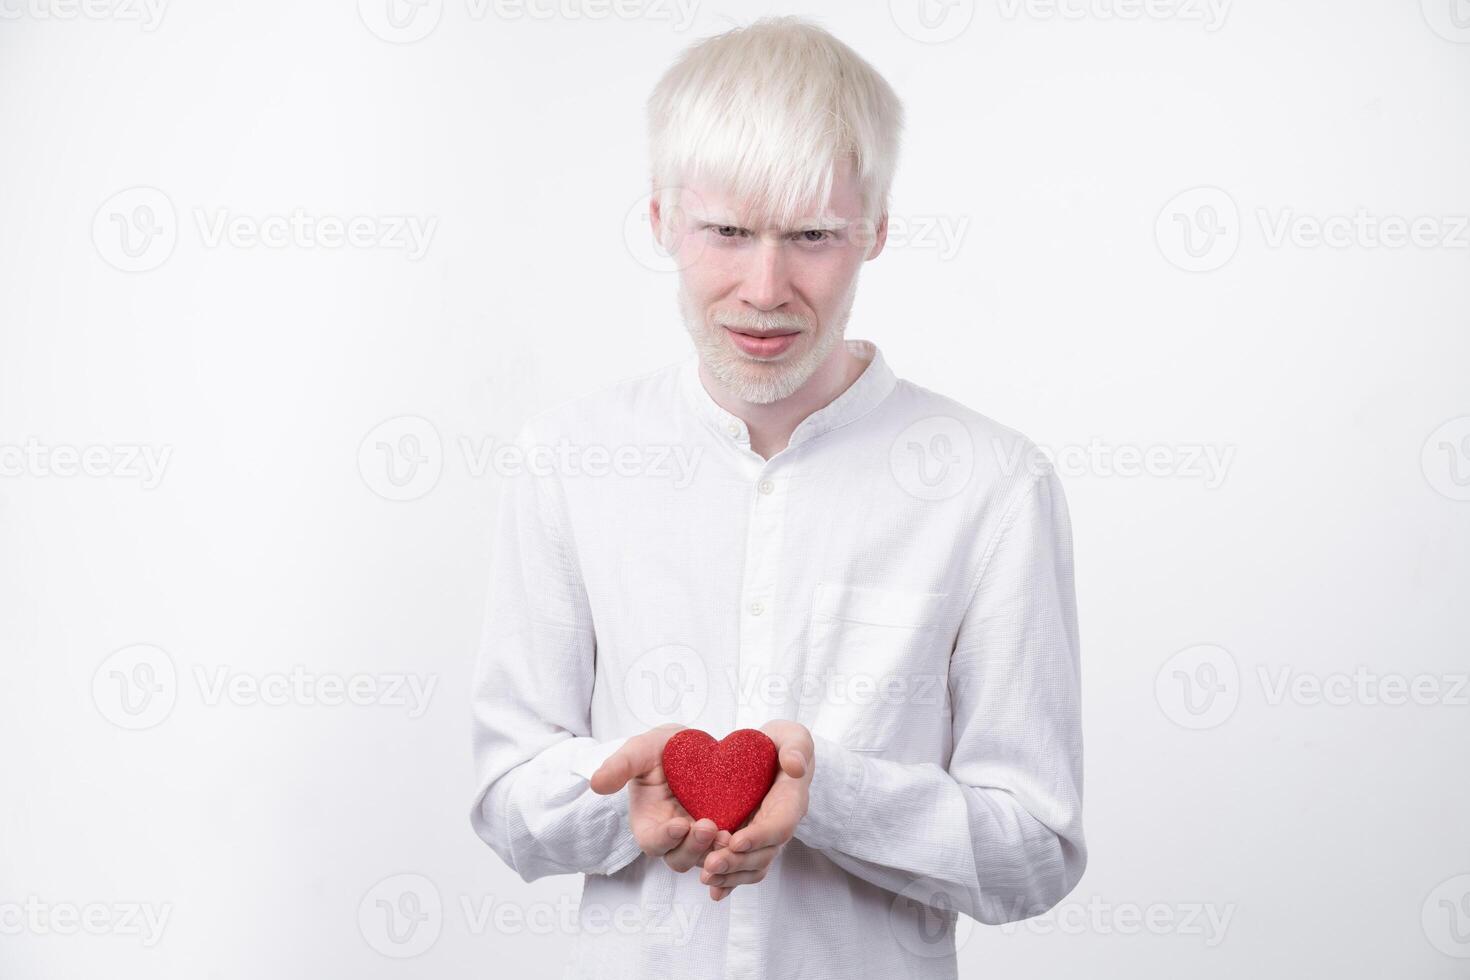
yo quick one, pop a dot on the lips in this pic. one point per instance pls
(762, 345)
(760, 334)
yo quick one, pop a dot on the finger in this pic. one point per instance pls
(737, 878)
(723, 861)
(718, 893)
(692, 848)
(636, 757)
(793, 762)
(666, 838)
(772, 826)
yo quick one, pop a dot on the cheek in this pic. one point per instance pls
(695, 283)
(706, 273)
(825, 281)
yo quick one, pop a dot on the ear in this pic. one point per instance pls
(655, 216)
(880, 237)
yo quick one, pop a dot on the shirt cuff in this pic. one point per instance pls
(837, 779)
(590, 756)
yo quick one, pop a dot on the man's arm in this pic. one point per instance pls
(532, 694)
(1000, 832)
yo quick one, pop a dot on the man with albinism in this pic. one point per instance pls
(857, 567)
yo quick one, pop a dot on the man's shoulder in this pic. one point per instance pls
(921, 411)
(613, 407)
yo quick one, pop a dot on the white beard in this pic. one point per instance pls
(762, 382)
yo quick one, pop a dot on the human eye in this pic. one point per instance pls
(813, 236)
(728, 231)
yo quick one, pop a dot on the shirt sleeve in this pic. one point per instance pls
(998, 834)
(533, 747)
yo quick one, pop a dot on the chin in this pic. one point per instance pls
(762, 382)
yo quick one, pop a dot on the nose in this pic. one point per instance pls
(766, 284)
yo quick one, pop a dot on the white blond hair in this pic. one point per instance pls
(769, 112)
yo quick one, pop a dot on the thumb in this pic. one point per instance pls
(636, 757)
(793, 762)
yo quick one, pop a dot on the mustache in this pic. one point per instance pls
(762, 322)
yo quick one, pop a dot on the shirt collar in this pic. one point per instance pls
(861, 397)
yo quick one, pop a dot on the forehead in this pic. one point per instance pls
(716, 202)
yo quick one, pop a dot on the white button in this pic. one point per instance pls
(757, 607)
(766, 486)
(734, 429)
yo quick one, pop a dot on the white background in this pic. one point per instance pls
(1235, 828)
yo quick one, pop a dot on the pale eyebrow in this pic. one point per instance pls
(721, 219)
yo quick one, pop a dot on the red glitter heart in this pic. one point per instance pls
(725, 780)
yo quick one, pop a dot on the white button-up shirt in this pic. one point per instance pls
(898, 578)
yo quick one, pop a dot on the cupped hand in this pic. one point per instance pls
(747, 856)
(660, 824)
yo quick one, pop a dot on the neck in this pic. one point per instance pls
(771, 425)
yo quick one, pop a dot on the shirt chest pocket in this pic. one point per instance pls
(877, 664)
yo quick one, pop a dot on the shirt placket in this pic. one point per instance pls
(758, 603)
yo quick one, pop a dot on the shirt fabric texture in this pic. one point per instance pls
(898, 578)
